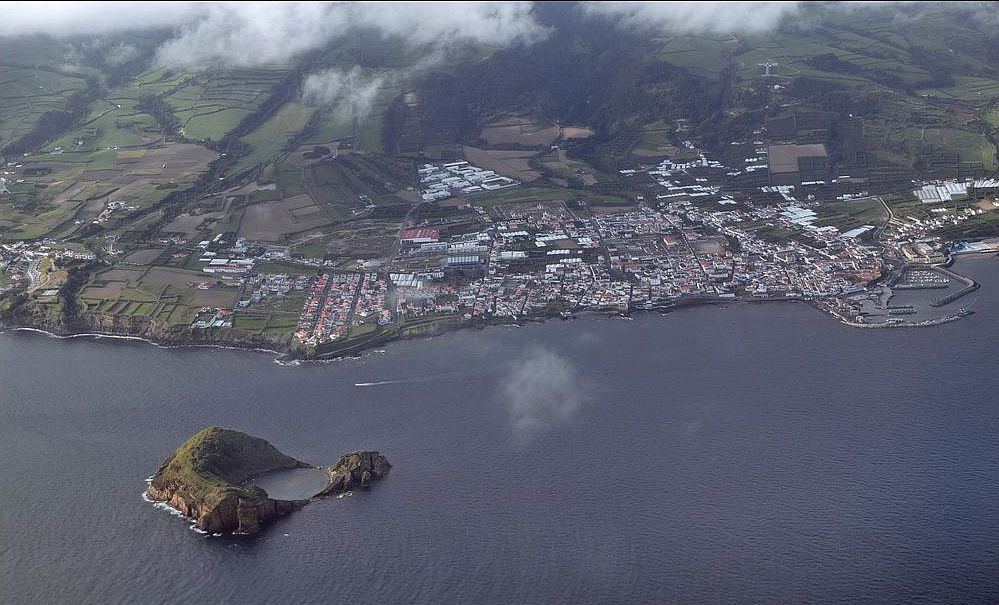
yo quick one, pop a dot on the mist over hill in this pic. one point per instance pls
(869, 81)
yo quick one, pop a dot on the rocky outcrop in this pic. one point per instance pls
(354, 470)
(205, 479)
(234, 513)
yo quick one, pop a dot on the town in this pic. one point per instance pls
(693, 241)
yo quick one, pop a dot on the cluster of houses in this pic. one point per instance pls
(454, 178)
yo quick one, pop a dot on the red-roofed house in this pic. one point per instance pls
(420, 236)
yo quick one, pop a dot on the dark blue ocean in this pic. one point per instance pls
(748, 454)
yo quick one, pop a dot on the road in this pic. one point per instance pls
(890, 216)
(35, 273)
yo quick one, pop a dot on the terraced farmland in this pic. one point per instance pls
(34, 79)
(211, 104)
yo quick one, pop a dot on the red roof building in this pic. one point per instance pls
(420, 236)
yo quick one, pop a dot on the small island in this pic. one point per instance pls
(206, 479)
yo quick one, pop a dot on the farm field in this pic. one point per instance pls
(566, 168)
(357, 239)
(519, 194)
(700, 54)
(577, 132)
(211, 103)
(350, 184)
(272, 221)
(61, 188)
(850, 215)
(269, 140)
(513, 164)
(519, 132)
(364, 128)
(34, 79)
(166, 295)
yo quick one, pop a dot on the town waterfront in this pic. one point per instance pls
(747, 453)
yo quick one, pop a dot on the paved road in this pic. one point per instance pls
(888, 219)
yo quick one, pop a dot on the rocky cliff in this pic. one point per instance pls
(234, 512)
(160, 333)
(205, 479)
(354, 470)
(29, 314)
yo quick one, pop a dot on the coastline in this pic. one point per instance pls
(293, 358)
(159, 345)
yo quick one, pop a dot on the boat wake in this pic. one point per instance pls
(415, 379)
(380, 383)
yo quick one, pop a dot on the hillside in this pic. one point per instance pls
(918, 96)
(203, 478)
(937, 66)
(216, 461)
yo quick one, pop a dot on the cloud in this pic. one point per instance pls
(541, 391)
(246, 34)
(698, 17)
(742, 17)
(275, 32)
(81, 18)
(351, 93)
(259, 33)
(120, 54)
(442, 23)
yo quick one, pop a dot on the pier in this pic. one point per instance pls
(970, 285)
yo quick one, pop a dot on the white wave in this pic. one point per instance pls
(164, 506)
(94, 335)
(99, 336)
